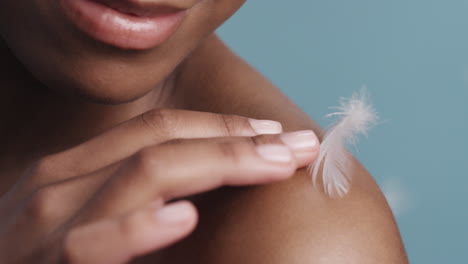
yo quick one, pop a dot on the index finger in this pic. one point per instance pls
(153, 127)
(192, 166)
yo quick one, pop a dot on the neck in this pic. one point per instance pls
(36, 121)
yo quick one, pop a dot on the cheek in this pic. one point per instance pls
(67, 61)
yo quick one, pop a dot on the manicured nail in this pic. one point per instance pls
(300, 139)
(174, 213)
(265, 126)
(275, 153)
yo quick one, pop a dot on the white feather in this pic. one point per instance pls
(354, 116)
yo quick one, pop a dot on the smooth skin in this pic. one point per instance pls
(88, 167)
(289, 222)
(110, 207)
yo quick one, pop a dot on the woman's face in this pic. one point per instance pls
(107, 50)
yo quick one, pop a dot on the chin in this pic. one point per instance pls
(103, 80)
(110, 89)
(70, 60)
(117, 94)
(93, 72)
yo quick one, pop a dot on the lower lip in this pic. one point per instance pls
(119, 29)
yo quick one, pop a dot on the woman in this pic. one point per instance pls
(114, 111)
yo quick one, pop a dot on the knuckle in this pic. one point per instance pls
(44, 168)
(129, 227)
(71, 242)
(160, 121)
(43, 204)
(52, 168)
(174, 141)
(235, 125)
(75, 245)
(147, 165)
(236, 150)
(232, 151)
(267, 139)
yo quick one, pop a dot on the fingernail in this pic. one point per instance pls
(265, 126)
(275, 153)
(300, 139)
(174, 213)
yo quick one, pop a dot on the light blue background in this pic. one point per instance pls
(413, 57)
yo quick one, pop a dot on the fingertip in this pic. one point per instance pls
(177, 213)
(305, 145)
(281, 157)
(265, 127)
(170, 224)
(275, 153)
(298, 140)
(306, 157)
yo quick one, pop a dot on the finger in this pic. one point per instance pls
(187, 167)
(303, 144)
(118, 240)
(150, 128)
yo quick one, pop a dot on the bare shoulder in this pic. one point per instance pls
(292, 222)
(288, 222)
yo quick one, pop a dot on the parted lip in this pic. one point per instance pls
(128, 24)
(147, 8)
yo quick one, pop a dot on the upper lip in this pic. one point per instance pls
(148, 8)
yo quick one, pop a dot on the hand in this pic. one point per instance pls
(108, 200)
